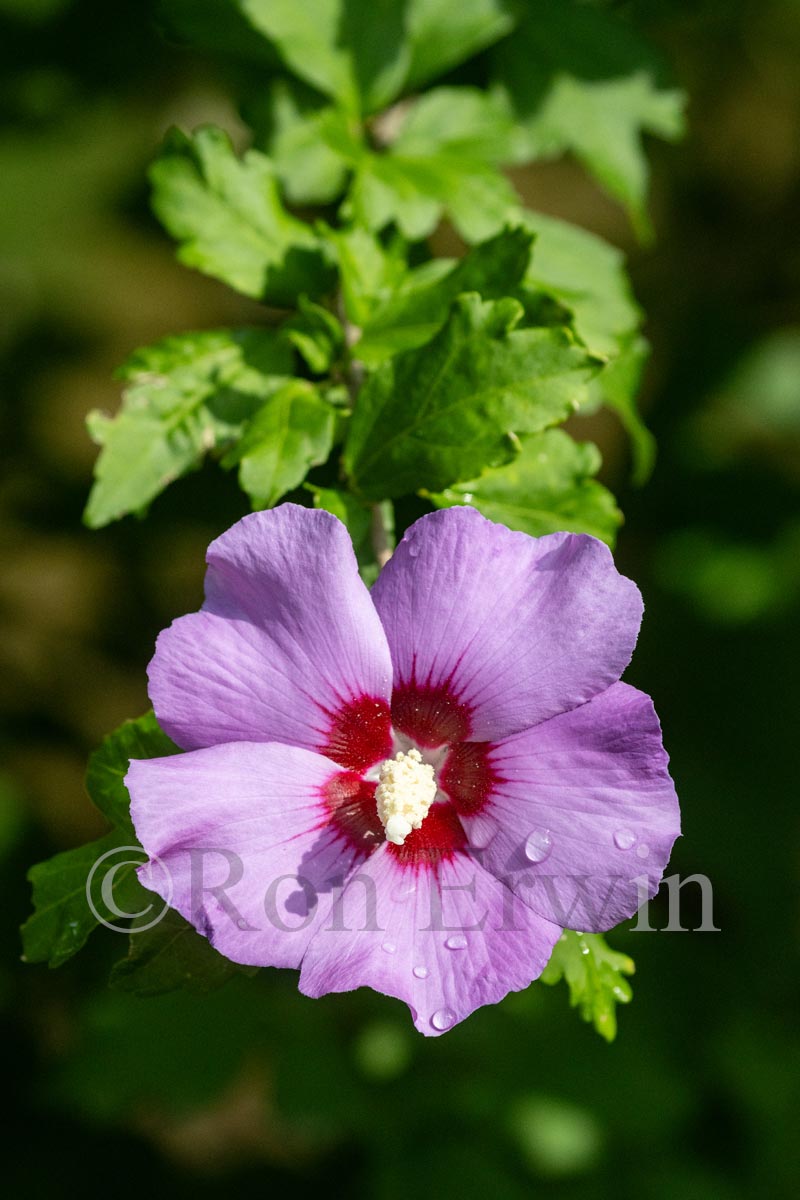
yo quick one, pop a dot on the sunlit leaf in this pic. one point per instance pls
(227, 215)
(595, 975)
(547, 487)
(290, 434)
(433, 416)
(185, 396)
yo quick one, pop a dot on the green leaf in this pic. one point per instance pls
(363, 55)
(618, 384)
(170, 955)
(108, 765)
(62, 918)
(370, 272)
(464, 121)
(581, 80)
(316, 334)
(187, 395)
(227, 214)
(439, 414)
(293, 432)
(415, 192)
(587, 276)
(595, 975)
(292, 125)
(444, 34)
(215, 25)
(354, 52)
(419, 305)
(548, 487)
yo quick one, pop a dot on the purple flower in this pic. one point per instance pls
(413, 790)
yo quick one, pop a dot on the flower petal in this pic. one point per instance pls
(492, 631)
(252, 841)
(287, 646)
(444, 941)
(584, 812)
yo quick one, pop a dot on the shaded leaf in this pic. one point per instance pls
(433, 416)
(62, 918)
(595, 975)
(170, 955)
(316, 335)
(186, 395)
(547, 487)
(108, 765)
(227, 215)
(618, 383)
(215, 25)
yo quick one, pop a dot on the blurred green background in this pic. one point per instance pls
(255, 1085)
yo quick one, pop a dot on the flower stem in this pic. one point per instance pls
(379, 534)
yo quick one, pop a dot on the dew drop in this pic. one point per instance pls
(443, 1018)
(624, 839)
(481, 833)
(243, 923)
(456, 942)
(642, 851)
(421, 972)
(413, 549)
(389, 947)
(538, 846)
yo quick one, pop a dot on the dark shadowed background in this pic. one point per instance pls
(256, 1085)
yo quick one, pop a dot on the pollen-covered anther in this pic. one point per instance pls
(406, 790)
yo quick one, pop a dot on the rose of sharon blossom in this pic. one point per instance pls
(416, 789)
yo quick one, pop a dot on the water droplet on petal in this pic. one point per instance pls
(443, 1018)
(421, 972)
(538, 846)
(413, 549)
(456, 942)
(389, 947)
(624, 839)
(243, 923)
(482, 831)
(642, 851)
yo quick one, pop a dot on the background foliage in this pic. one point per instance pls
(252, 1082)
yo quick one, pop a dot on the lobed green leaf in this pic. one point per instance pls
(547, 487)
(227, 215)
(62, 918)
(441, 413)
(595, 975)
(291, 433)
(171, 955)
(581, 80)
(186, 395)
